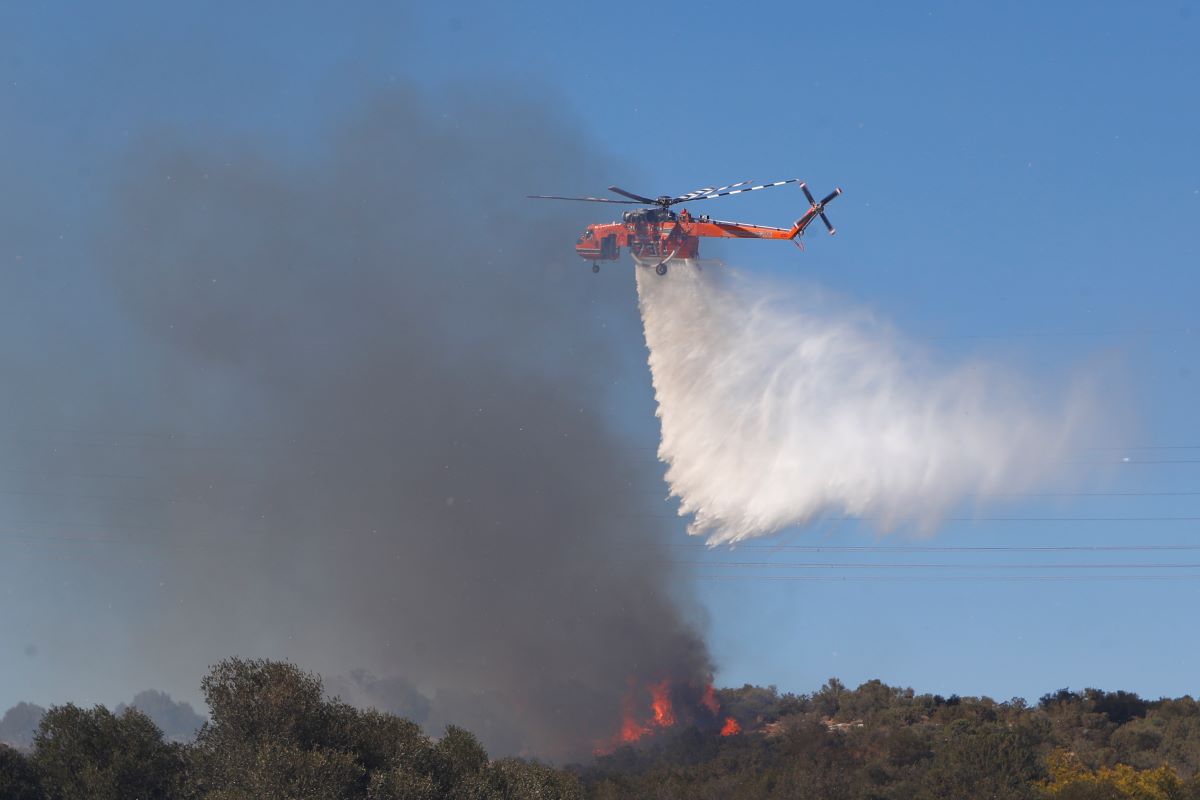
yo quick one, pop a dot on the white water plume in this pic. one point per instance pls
(778, 408)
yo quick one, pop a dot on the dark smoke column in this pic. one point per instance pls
(395, 382)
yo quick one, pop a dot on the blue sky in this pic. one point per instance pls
(1021, 181)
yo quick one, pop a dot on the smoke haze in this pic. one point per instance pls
(779, 407)
(354, 411)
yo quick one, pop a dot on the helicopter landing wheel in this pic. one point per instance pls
(661, 269)
(595, 267)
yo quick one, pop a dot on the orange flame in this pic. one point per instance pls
(637, 724)
(664, 714)
(631, 728)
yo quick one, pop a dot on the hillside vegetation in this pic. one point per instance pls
(878, 742)
(273, 734)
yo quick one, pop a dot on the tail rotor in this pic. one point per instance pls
(818, 207)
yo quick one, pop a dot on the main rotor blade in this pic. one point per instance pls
(584, 199)
(747, 189)
(828, 224)
(696, 193)
(707, 190)
(630, 195)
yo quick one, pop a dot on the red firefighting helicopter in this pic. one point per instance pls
(657, 235)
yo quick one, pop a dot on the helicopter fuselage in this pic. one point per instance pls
(654, 235)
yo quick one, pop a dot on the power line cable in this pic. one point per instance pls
(866, 566)
(948, 548)
(952, 578)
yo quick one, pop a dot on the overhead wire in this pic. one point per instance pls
(947, 548)
(931, 565)
(952, 578)
(196, 442)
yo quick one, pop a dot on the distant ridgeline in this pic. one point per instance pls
(19, 724)
(274, 733)
(178, 721)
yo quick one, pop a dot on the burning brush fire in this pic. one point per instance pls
(649, 708)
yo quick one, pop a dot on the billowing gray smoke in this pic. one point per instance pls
(366, 399)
